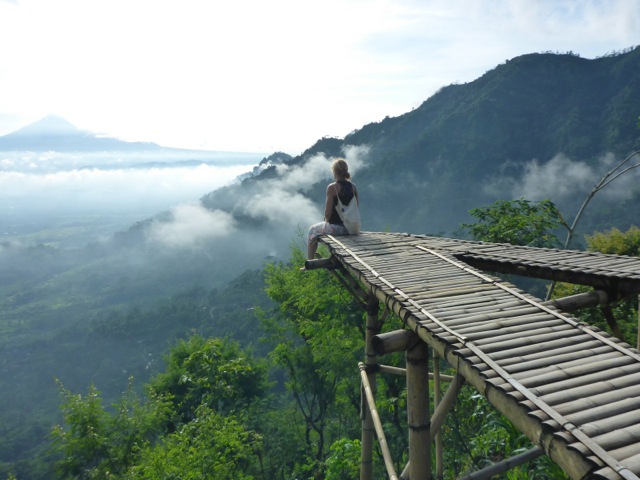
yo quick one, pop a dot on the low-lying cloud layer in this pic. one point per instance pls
(277, 205)
(39, 191)
(95, 187)
(562, 179)
(192, 225)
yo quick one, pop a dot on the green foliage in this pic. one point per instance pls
(344, 460)
(518, 222)
(209, 447)
(206, 380)
(211, 372)
(83, 444)
(94, 444)
(316, 334)
(92, 341)
(616, 242)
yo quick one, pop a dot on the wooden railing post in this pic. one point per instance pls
(418, 412)
(371, 362)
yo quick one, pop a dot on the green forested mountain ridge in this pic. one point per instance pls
(456, 151)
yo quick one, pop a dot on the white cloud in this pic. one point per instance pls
(558, 178)
(279, 200)
(303, 176)
(31, 183)
(282, 207)
(564, 180)
(192, 225)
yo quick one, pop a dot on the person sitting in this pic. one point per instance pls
(333, 225)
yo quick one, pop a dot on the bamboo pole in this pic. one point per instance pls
(579, 301)
(320, 263)
(373, 414)
(446, 403)
(417, 360)
(440, 413)
(371, 361)
(395, 341)
(437, 397)
(505, 465)
(403, 372)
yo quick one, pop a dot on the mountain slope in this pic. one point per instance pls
(469, 145)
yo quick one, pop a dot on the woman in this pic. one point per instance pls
(332, 224)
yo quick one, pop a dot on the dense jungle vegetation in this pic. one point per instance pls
(286, 404)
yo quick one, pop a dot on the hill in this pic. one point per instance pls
(538, 126)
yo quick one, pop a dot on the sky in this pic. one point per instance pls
(266, 76)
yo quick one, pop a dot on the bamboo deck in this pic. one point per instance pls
(571, 388)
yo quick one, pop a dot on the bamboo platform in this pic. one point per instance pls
(571, 388)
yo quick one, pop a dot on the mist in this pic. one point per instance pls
(566, 181)
(243, 226)
(91, 196)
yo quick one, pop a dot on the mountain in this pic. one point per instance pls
(57, 134)
(554, 119)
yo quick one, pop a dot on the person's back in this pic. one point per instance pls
(342, 189)
(345, 193)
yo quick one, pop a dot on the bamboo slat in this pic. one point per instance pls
(543, 349)
(515, 341)
(593, 389)
(605, 362)
(619, 438)
(511, 326)
(632, 463)
(611, 409)
(553, 356)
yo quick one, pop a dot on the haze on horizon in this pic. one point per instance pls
(270, 76)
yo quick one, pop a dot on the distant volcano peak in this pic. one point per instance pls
(58, 134)
(51, 125)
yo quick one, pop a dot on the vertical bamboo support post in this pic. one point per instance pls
(638, 332)
(437, 397)
(371, 362)
(417, 359)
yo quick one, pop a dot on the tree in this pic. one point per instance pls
(209, 447)
(616, 242)
(187, 424)
(93, 443)
(316, 332)
(212, 372)
(518, 222)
